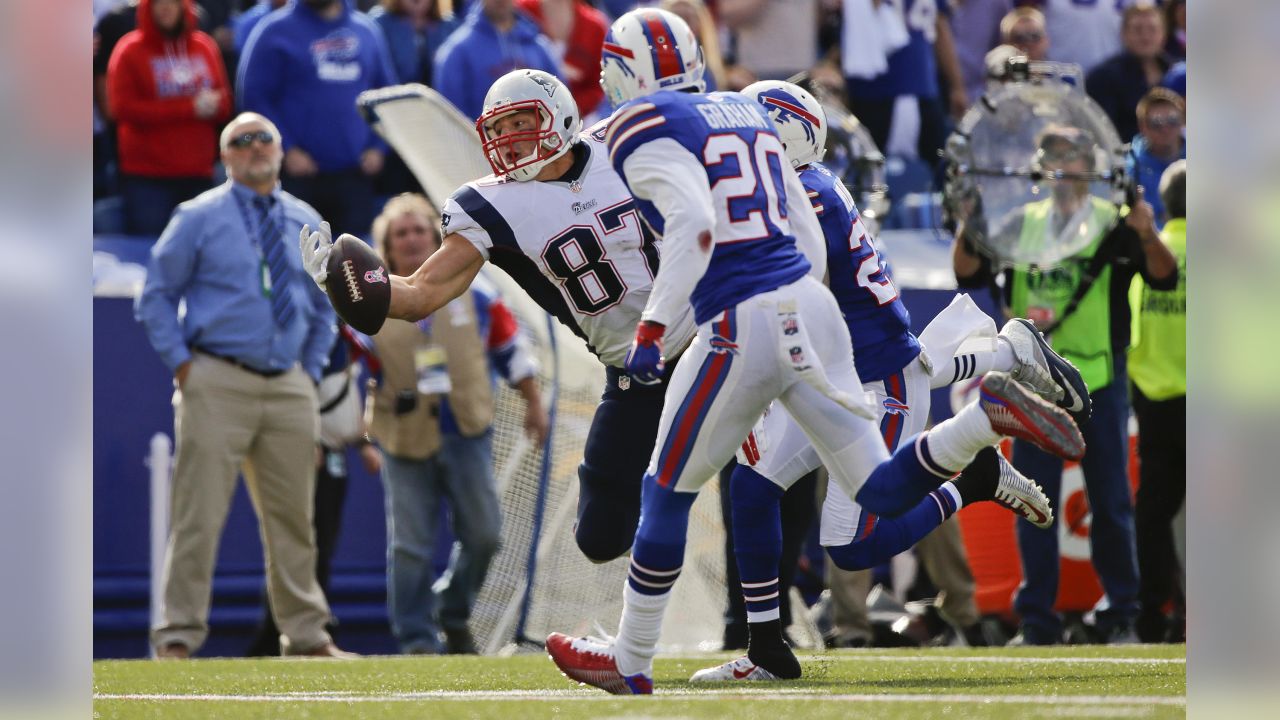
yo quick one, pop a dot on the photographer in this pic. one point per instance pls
(1082, 306)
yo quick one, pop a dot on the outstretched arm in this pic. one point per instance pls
(443, 277)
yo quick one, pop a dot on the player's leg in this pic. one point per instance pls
(713, 398)
(614, 460)
(957, 340)
(1038, 553)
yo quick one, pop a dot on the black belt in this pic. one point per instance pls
(241, 365)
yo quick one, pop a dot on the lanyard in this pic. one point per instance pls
(251, 227)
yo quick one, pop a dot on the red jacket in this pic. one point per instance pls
(152, 82)
(582, 51)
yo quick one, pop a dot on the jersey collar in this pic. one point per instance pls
(581, 156)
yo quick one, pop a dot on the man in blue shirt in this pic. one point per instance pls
(1159, 143)
(245, 356)
(303, 67)
(494, 40)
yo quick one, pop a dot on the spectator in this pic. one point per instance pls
(341, 426)
(1024, 28)
(576, 32)
(1088, 322)
(1158, 367)
(976, 26)
(303, 67)
(493, 40)
(414, 30)
(695, 13)
(757, 26)
(112, 21)
(245, 355)
(1122, 80)
(913, 71)
(1175, 23)
(168, 93)
(1084, 32)
(1160, 141)
(1176, 78)
(431, 411)
(244, 23)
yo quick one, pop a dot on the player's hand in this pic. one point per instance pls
(536, 424)
(644, 359)
(316, 247)
(181, 373)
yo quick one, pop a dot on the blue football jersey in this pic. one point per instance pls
(878, 321)
(732, 136)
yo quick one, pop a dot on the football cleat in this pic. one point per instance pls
(591, 661)
(1050, 375)
(740, 669)
(1025, 498)
(1014, 411)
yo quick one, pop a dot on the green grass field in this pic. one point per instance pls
(1064, 682)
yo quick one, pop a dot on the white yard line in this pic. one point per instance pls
(1004, 659)
(757, 693)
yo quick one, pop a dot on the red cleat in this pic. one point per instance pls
(1014, 411)
(590, 661)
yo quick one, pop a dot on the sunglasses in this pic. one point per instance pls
(244, 140)
(1025, 38)
(1164, 121)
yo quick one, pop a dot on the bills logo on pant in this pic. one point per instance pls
(894, 406)
(721, 345)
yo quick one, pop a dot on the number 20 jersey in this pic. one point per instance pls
(577, 245)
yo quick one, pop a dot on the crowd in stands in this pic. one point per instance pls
(170, 74)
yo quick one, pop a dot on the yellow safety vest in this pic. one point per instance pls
(1084, 338)
(1158, 351)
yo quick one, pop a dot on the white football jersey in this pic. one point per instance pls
(576, 245)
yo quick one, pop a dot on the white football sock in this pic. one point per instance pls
(949, 488)
(954, 442)
(638, 632)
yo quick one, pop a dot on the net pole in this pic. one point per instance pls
(544, 479)
(159, 461)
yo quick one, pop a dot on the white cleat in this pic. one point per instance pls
(1025, 498)
(740, 669)
(1047, 373)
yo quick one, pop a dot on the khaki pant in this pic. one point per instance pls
(226, 418)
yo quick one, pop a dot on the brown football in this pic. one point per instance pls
(359, 285)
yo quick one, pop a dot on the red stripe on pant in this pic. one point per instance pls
(694, 410)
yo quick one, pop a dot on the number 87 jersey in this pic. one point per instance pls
(576, 244)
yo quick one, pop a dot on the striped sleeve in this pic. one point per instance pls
(632, 127)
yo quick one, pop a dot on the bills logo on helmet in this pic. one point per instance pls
(894, 406)
(618, 55)
(785, 108)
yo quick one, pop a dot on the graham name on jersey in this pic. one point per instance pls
(733, 116)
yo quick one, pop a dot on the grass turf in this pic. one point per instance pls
(1078, 681)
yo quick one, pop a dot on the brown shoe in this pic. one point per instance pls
(328, 650)
(173, 651)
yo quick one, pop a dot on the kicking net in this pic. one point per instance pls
(539, 582)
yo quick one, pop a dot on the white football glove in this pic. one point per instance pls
(316, 247)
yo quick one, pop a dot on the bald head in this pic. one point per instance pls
(251, 151)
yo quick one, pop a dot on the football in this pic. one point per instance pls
(359, 285)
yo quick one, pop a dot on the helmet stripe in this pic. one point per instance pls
(662, 46)
(792, 107)
(619, 51)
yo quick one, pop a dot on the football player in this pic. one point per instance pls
(710, 175)
(557, 218)
(893, 366)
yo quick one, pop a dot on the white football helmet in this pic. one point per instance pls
(520, 152)
(648, 50)
(797, 116)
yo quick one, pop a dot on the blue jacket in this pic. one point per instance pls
(1146, 169)
(207, 257)
(476, 55)
(412, 53)
(304, 73)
